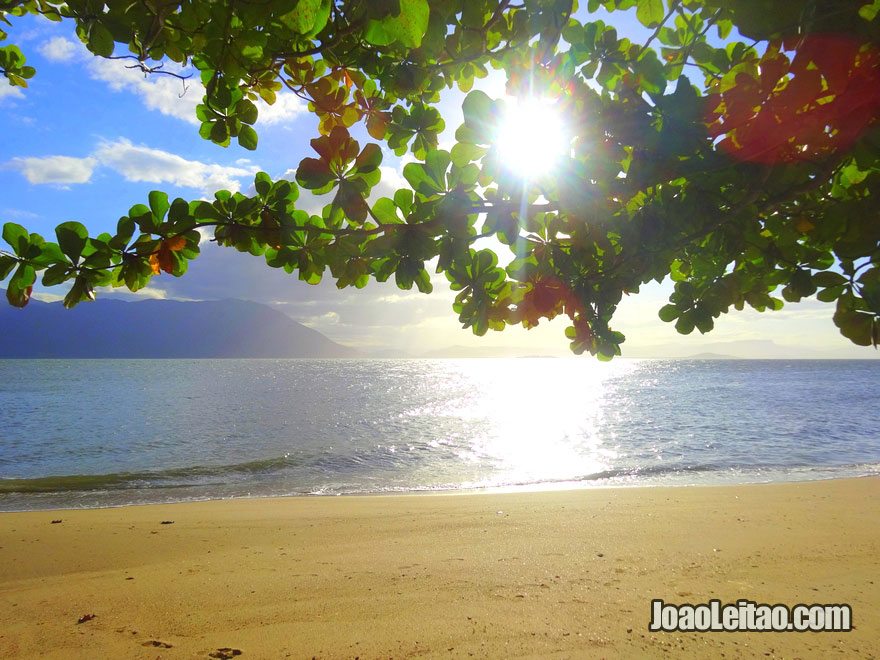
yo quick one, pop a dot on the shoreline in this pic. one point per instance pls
(542, 486)
(543, 574)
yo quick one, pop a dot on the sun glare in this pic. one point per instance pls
(532, 137)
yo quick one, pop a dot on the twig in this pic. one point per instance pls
(672, 7)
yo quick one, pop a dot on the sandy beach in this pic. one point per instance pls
(564, 574)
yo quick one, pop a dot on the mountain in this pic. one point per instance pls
(159, 329)
(748, 349)
(458, 352)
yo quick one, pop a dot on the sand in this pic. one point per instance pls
(564, 574)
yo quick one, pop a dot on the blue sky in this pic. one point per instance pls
(89, 138)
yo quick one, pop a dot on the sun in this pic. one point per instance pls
(531, 137)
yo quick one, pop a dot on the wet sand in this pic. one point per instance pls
(564, 574)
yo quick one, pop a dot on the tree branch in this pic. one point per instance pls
(672, 8)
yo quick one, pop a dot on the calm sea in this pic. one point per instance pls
(85, 433)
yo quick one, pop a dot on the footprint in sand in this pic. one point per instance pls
(224, 653)
(157, 644)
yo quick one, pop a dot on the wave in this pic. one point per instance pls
(323, 462)
(743, 473)
(174, 477)
(333, 470)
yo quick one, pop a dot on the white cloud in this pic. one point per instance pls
(167, 94)
(176, 98)
(151, 292)
(392, 181)
(135, 163)
(393, 298)
(9, 92)
(19, 213)
(139, 163)
(46, 297)
(56, 169)
(59, 49)
(321, 321)
(285, 107)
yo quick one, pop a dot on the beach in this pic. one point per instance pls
(556, 574)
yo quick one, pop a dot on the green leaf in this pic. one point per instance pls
(204, 211)
(56, 274)
(650, 12)
(100, 40)
(831, 293)
(7, 264)
(802, 283)
(477, 108)
(178, 216)
(669, 313)
(828, 278)
(369, 159)
(246, 111)
(17, 236)
(19, 287)
(124, 231)
(855, 326)
(144, 218)
(407, 28)
(262, 184)
(404, 200)
(247, 137)
(48, 254)
(463, 153)
(423, 281)
(724, 27)
(313, 174)
(685, 324)
(386, 211)
(219, 132)
(81, 290)
(158, 204)
(436, 163)
(304, 16)
(221, 95)
(72, 237)
(869, 11)
(421, 180)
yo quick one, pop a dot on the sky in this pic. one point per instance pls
(89, 138)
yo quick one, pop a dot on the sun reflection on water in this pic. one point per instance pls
(539, 419)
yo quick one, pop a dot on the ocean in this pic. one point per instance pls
(91, 433)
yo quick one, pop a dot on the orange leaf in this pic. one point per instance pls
(804, 225)
(166, 259)
(174, 244)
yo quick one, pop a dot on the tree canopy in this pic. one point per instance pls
(736, 151)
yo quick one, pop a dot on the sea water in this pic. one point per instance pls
(86, 433)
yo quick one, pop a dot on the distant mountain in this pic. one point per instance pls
(748, 349)
(386, 354)
(489, 352)
(159, 329)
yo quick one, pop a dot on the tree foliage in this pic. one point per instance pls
(757, 173)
